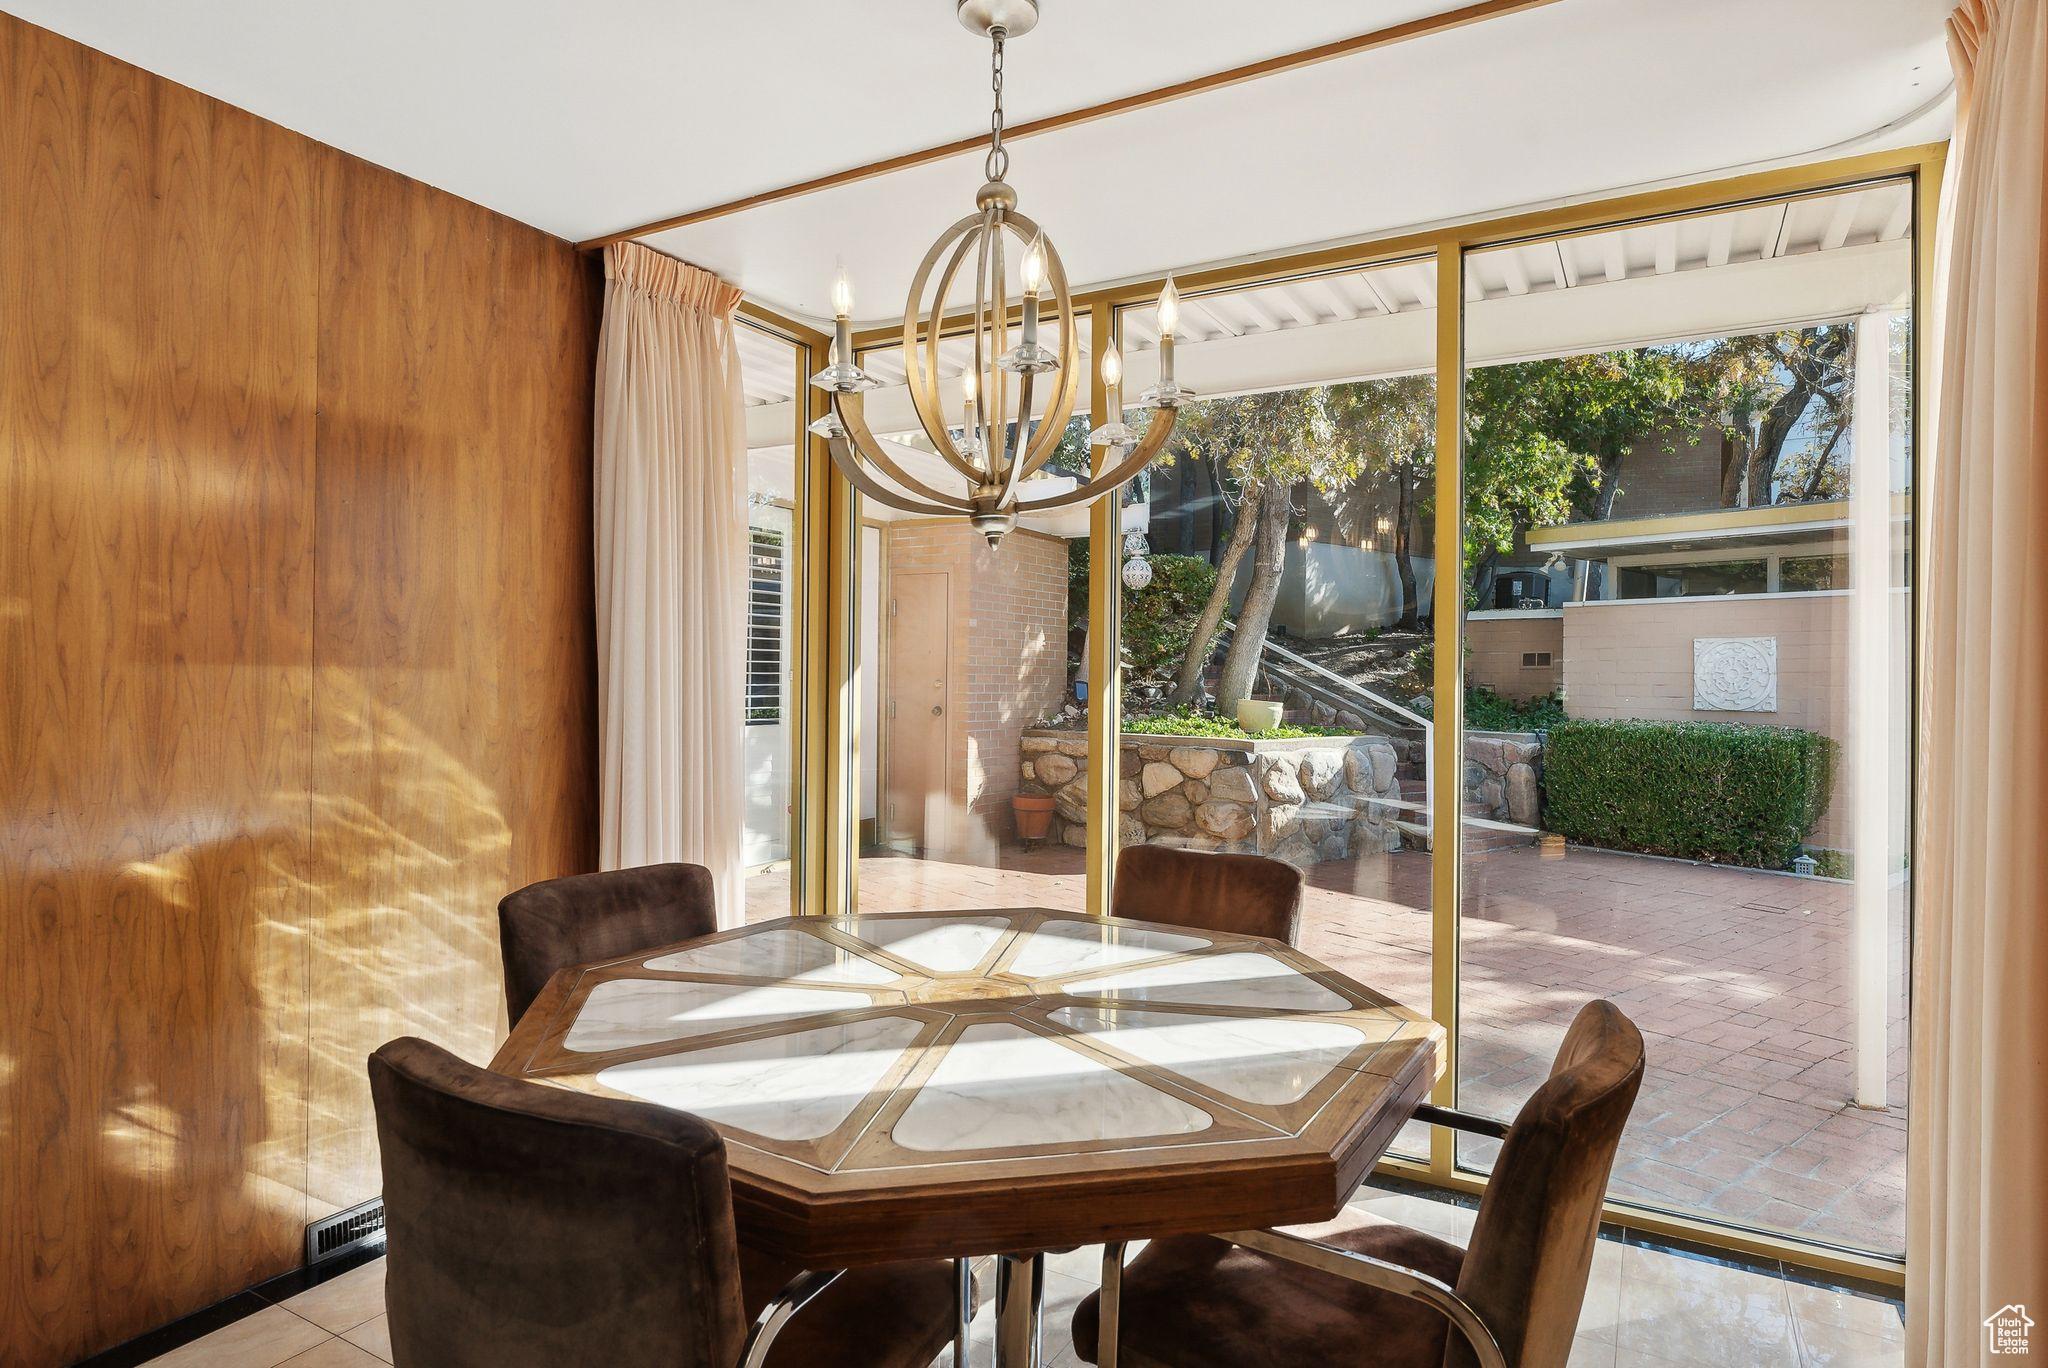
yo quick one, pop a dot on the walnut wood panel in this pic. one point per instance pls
(454, 632)
(209, 732)
(157, 367)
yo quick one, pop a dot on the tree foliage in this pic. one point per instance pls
(1545, 445)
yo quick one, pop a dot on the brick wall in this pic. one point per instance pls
(1498, 645)
(1006, 662)
(1686, 479)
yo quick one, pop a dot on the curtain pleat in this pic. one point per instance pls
(1977, 1154)
(671, 526)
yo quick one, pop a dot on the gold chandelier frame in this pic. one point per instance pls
(1001, 446)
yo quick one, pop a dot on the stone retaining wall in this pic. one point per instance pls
(1503, 777)
(1303, 801)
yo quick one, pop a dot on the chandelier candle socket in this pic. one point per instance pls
(1010, 426)
(970, 415)
(1114, 432)
(1169, 319)
(1167, 393)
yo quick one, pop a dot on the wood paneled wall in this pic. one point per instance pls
(297, 667)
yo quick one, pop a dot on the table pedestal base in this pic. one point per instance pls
(1020, 1310)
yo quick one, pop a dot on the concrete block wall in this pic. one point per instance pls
(1634, 658)
(1498, 644)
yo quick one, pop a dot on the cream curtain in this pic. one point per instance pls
(671, 558)
(1977, 1225)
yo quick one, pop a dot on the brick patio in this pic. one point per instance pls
(1737, 978)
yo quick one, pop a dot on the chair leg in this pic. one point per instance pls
(963, 1309)
(1109, 1304)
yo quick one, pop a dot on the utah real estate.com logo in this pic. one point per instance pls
(2005, 1330)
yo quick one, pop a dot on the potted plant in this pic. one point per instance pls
(1258, 714)
(1033, 812)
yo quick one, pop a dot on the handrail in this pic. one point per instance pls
(1376, 703)
(1379, 700)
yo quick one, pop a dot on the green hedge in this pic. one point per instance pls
(1700, 790)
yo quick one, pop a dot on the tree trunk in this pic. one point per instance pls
(1404, 554)
(1603, 509)
(1735, 471)
(1255, 615)
(1189, 682)
(1184, 495)
(1211, 533)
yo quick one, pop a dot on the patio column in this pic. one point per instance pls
(1870, 704)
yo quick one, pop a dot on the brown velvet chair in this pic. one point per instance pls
(558, 922)
(530, 1227)
(1246, 895)
(1207, 1302)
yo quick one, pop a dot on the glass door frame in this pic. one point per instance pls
(824, 868)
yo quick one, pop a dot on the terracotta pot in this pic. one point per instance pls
(1258, 714)
(1034, 815)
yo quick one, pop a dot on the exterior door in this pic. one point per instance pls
(915, 752)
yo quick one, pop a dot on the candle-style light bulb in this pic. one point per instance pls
(1034, 281)
(1169, 319)
(1112, 432)
(970, 421)
(1034, 267)
(842, 318)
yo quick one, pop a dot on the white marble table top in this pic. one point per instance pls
(842, 1045)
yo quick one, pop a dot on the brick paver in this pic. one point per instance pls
(1738, 979)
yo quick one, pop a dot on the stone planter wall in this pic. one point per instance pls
(1303, 801)
(1504, 777)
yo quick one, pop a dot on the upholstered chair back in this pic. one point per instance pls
(530, 1226)
(551, 925)
(1237, 894)
(1532, 1247)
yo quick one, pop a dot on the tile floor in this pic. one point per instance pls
(1644, 1308)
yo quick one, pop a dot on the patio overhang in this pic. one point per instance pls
(1768, 528)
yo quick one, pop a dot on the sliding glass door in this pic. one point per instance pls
(1280, 557)
(1595, 684)
(771, 379)
(972, 685)
(1688, 525)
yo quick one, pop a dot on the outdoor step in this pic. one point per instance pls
(1481, 836)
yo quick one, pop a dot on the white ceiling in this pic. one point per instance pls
(588, 118)
(1576, 100)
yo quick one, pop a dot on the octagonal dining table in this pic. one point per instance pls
(995, 1082)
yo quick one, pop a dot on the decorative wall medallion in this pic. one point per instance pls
(1735, 674)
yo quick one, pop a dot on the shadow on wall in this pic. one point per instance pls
(404, 938)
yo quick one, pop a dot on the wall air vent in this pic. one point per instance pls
(1535, 659)
(345, 1231)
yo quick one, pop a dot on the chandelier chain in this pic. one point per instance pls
(998, 162)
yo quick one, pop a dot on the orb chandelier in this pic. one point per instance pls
(997, 446)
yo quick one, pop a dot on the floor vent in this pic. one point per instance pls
(344, 1231)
